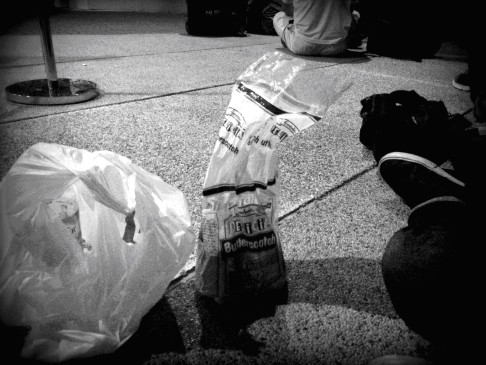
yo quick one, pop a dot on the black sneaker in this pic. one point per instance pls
(462, 82)
(415, 179)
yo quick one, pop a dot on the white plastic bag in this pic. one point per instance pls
(240, 252)
(89, 243)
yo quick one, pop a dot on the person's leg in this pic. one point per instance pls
(281, 23)
(284, 27)
(469, 26)
(424, 268)
(433, 269)
(477, 74)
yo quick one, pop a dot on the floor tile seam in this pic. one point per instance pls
(188, 274)
(115, 104)
(326, 193)
(111, 58)
(330, 65)
(415, 80)
(327, 65)
(225, 48)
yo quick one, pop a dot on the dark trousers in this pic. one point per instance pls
(433, 269)
(430, 274)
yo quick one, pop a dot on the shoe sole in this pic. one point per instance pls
(436, 207)
(460, 86)
(416, 180)
(399, 360)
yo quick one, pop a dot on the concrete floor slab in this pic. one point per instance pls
(337, 302)
(163, 98)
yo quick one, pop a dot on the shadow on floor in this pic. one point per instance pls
(347, 57)
(350, 282)
(184, 319)
(224, 326)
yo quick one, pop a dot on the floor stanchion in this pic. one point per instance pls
(51, 90)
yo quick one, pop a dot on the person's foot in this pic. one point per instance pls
(399, 360)
(462, 82)
(415, 179)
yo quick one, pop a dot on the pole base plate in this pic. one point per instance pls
(36, 92)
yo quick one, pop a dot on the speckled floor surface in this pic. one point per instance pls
(163, 97)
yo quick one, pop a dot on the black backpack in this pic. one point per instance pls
(216, 17)
(260, 16)
(404, 121)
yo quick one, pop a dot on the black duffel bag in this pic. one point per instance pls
(216, 18)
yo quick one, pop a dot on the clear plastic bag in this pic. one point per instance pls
(239, 252)
(89, 243)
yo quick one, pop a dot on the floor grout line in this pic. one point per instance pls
(79, 59)
(326, 193)
(118, 103)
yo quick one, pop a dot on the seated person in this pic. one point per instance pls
(315, 27)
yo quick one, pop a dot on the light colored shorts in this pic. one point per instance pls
(286, 31)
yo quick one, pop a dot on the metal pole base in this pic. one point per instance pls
(38, 92)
